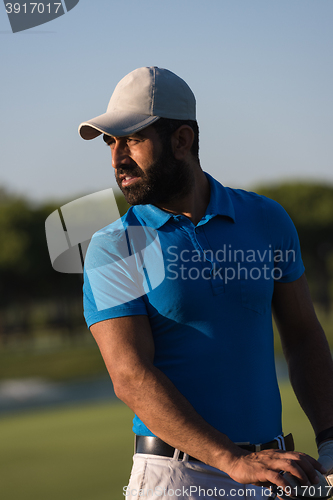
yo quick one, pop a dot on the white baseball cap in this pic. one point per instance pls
(140, 98)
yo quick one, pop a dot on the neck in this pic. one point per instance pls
(195, 203)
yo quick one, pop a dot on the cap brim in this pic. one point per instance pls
(115, 124)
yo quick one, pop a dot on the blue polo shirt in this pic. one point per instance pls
(207, 291)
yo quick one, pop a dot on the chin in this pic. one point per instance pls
(134, 199)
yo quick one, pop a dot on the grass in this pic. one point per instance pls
(80, 453)
(62, 363)
(295, 421)
(84, 452)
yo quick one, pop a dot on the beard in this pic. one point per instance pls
(166, 179)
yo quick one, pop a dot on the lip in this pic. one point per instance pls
(127, 180)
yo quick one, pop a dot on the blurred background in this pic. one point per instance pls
(263, 77)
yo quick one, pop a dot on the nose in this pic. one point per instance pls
(120, 154)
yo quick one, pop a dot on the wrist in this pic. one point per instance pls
(325, 451)
(230, 459)
(225, 454)
(325, 435)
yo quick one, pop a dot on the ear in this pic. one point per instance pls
(181, 142)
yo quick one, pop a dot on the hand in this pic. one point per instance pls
(264, 468)
(313, 492)
(325, 450)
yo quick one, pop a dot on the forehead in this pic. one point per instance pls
(146, 133)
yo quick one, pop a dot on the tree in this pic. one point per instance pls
(26, 273)
(310, 205)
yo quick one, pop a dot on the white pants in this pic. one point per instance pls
(162, 478)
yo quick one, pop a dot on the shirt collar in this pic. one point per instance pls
(153, 216)
(220, 204)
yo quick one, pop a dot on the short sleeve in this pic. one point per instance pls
(122, 265)
(285, 243)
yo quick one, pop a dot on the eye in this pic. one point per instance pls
(108, 139)
(132, 140)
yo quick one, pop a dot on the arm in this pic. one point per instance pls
(306, 350)
(127, 347)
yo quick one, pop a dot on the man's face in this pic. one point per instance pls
(146, 170)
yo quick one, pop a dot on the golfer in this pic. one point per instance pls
(179, 295)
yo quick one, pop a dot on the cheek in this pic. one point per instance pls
(144, 159)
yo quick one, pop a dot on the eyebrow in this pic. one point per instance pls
(110, 138)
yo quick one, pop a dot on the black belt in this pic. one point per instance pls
(155, 446)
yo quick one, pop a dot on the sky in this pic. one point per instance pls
(261, 71)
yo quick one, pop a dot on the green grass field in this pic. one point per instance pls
(78, 453)
(85, 452)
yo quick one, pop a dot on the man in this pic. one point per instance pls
(190, 349)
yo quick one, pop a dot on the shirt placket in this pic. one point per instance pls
(201, 244)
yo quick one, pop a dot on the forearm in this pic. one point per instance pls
(307, 351)
(169, 415)
(128, 350)
(311, 375)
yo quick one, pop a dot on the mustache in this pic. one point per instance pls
(135, 170)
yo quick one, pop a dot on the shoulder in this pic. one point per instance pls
(116, 229)
(249, 197)
(254, 202)
(110, 242)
